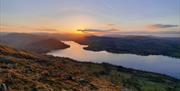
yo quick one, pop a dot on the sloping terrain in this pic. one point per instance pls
(139, 45)
(46, 45)
(32, 42)
(25, 71)
(31, 72)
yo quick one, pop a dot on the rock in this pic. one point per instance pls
(69, 77)
(3, 87)
(1, 70)
(93, 87)
(34, 89)
(11, 65)
(83, 81)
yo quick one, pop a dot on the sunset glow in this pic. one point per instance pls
(89, 45)
(68, 16)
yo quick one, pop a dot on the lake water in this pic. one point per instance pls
(159, 64)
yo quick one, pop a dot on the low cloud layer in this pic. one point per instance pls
(96, 30)
(48, 30)
(110, 24)
(14, 28)
(162, 26)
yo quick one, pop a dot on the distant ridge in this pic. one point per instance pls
(31, 42)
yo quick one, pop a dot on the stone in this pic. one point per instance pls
(3, 87)
(83, 81)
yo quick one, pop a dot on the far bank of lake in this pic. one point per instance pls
(153, 63)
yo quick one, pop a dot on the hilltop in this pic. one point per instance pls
(32, 42)
(23, 70)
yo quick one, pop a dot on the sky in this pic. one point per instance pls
(90, 16)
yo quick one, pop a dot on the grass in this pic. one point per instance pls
(24, 71)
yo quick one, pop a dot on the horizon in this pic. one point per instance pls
(89, 45)
(90, 17)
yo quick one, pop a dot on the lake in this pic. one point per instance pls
(153, 63)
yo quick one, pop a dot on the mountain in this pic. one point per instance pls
(140, 45)
(26, 71)
(46, 45)
(32, 42)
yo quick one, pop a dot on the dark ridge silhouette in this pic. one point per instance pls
(140, 45)
(32, 42)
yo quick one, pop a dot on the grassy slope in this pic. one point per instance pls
(22, 70)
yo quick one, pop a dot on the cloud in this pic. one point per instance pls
(110, 24)
(15, 28)
(48, 29)
(157, 26)
(97, 30)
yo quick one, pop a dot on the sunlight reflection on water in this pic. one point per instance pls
(153, 63)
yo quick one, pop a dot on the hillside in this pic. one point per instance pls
(25, 71)
(32, 42)
(139, 45)
(46, 45)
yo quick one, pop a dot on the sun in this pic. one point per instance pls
(79, 32)
(71, 24)
(80, 26)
